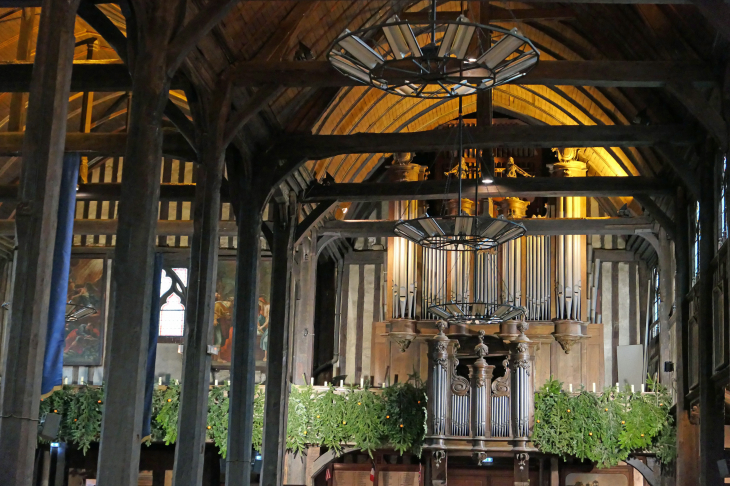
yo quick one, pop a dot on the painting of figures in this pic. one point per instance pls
(223, 313)
(85, 337)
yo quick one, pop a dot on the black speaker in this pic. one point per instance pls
(51, 424)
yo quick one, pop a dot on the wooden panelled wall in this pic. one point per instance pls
(361, 306)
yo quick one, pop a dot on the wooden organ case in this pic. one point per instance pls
(480, 399)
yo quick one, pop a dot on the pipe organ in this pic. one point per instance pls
(544, 274)
(479, 396)
(404, 256)
(537, 302)
(405, 277)
(481, 376)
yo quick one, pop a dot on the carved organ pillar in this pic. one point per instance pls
(481, 382)
(521, 367)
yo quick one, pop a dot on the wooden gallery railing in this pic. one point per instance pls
(479, 413)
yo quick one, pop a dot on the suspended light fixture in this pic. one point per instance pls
(436, 59)
(465, 235)
(460, 232)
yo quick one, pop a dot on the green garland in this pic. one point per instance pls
(604, 428)
(80, 410)
(394, 418)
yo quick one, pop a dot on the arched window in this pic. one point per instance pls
(173, 286)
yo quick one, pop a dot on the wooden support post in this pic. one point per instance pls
(189, 457)
(687, 454)
(711, 400)
(243, 365)
(277, 376)
(121, 428)
(36, 217)
(303, 339)
(16, 119)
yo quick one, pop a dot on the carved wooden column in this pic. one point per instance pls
(277, 377)
(250, 202)
(687, 453)
(134, 252)
(193, 413)
(711, 396)
(36, 218)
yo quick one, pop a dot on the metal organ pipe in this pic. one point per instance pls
(577, 262)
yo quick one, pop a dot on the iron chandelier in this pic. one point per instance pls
(457, 233)
(476, 312)
(456, 58)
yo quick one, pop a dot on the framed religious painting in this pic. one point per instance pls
(223, 313)
(84, 338)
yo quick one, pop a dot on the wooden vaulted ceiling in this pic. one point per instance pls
(272, 30)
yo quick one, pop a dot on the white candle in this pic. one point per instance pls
(65, 380)
(342, 383)
(642, 388)
(311, 381)
(570, 387)
(325, 383)
(632, 388)
(216, 382)
(81, 380)
(594, 388)
(229, 382)
(617, 386)
(159, 381)
(362, 382)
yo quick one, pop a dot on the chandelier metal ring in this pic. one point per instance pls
(476, 312)
(459, 232)
(453, 58)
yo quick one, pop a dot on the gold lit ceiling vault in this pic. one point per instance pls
(276, 31)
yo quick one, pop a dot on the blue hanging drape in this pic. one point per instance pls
(55, 338)
(152, 347)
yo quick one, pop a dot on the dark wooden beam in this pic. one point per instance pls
(659, 215)
(276, 403)
(502, 187)
(110, 144)
(497, 14)
(37, 216)
(712, 408)
(536, 226)
(207, 17)
(155, 27)
(106, 76)
(506, 136)
(100, 76)
(648, 74)
(313, 218)
(701, 110)
(200, 302)
(610, 2)
(681, 167)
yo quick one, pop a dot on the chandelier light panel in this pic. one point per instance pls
(459, 233)
(434, 60)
